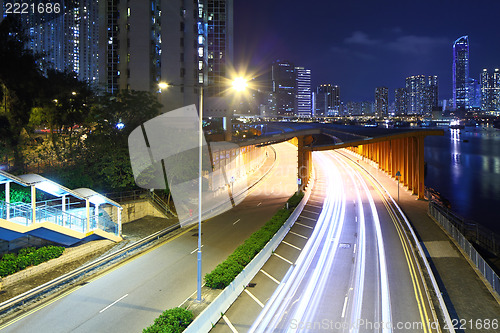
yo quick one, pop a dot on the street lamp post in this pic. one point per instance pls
(239, 84)
(200, 142)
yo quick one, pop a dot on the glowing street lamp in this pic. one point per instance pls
(240, 84)
(163, 85)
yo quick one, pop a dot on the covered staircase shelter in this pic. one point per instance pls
(69, 217)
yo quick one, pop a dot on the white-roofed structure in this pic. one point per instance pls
(73, 215)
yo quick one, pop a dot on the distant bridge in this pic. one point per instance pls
(393, 149)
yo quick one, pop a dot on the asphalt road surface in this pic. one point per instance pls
(355, 273)
(129, 297)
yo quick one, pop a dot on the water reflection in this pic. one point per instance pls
(464, 165)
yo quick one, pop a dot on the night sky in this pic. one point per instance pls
(360, 45)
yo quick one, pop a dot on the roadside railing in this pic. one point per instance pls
(456, 228)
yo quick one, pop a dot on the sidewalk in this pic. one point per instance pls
(468, 300)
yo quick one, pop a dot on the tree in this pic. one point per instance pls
(65, 104)
(20, 79)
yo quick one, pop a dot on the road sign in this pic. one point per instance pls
(299, 181)
(398, 174)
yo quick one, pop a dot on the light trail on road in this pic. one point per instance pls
(345, 291)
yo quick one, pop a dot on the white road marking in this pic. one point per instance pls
(303, 225)
(355, 248)
(260, 203)
(314, 206)
(288, 261)
(196, 249)
(344, 308)
(238, 220)
(309, 211)
(295, 247)
(309, 218)
(270, 276)
(294, 233)
(254, 298)
(229, 324)
(113, 303)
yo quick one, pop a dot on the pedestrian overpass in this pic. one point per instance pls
(56, 213)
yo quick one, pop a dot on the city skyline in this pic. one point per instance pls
(346, 45)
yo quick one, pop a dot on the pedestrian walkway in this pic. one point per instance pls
(65, 216)
(469, 302)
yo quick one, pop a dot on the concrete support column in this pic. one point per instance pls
(405, 161)
(119, 220)
(420, 154)
(382, 156)
(392, 145)
(415, 165)
(7, 199)
(96, 214)
(411, 156)
(87, 209)
(387, 157)
(63, 204)
(33, 204)
(303, 162)
(401, 160)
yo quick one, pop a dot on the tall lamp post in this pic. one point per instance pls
(239, 84)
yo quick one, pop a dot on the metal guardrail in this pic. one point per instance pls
(84, 270)
(473, 231)
(160, 204)
(440, 215)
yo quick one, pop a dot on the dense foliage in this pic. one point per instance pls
(226, 272)
(171, 321)
(56, 125)
(31, 256)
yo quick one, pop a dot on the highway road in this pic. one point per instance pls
(129, 297)
(356, 273)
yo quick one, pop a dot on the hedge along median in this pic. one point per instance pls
(30, 256)
(226, 272)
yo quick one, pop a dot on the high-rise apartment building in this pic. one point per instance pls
(327, 100)
(67, 40)
(381, 101)
(474, 93)
(143, 43)
(431, 94)
(490, 91)
(461, 73)
(283, 80)
(137, 44)
(303, 94)
(219, 44)
(400, 101)
(421, 94)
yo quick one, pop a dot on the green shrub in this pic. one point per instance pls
(227, 271)
(171, 321)
(11, 263)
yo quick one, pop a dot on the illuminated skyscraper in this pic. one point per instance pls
(381, 101)
(461, 73)
(421, 94)
(68, 40)
(303, 94)
(400, 101)
(490, 91)
(283, 80)
(327, 100)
